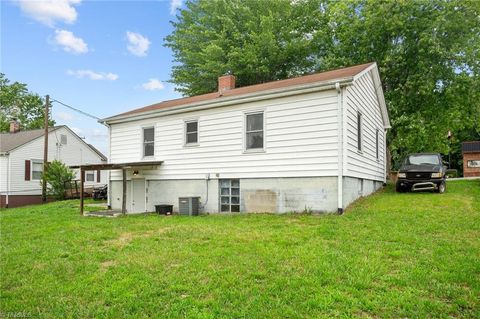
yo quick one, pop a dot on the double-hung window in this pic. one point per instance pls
(359, 131)
(37, 170)
(90, 176)
(148, 141)
(254, 131)
(191, 132)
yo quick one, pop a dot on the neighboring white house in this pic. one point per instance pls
(21, 161)
(315, 143)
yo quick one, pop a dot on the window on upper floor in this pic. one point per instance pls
(359, 131)
(254, 131)
(191, 132)
(37, 170)
(148, 141)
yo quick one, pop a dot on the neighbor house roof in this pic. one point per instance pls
(103, 157)
(10, 141)
(328, 76)
(471, 147)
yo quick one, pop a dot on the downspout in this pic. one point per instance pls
(8, 180)
(340, 149)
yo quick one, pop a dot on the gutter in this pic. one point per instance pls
(245, 98)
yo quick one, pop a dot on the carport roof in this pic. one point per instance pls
(111, 166)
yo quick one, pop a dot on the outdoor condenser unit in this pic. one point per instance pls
(189, 205)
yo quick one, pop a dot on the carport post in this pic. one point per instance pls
(82, 178)
(124, 191)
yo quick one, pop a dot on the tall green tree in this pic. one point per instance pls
(17, 102)
(428, 54)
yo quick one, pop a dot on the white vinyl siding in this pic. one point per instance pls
(300, 139)
(3, 173)
(361, 97)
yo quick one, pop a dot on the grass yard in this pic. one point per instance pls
(390, 256)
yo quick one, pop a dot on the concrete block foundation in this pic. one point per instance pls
(272, 195)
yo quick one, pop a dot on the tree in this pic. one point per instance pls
(428, 53)
(17, 102)
(57, 175)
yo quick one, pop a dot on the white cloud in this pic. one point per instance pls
(69, 42)
(64, 116)
(49, 12)
(174, 5)
(152, 85)
(138, 44)
(92, 75)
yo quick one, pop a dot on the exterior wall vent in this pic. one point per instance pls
(189, 206)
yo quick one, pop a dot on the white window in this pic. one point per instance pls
(191, 132)
(359, 131)
(229, 195)
(148, 141)
(254, 131)
(90, 176)
(37, 170)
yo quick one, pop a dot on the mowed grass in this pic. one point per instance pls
(390, 256)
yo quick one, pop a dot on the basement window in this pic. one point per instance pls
(191, 132)
(254, 131)
(148, 141)
(37, 170)
(230, 195)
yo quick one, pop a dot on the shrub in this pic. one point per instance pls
(57, 175)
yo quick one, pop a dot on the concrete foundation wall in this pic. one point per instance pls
(354, 188)
(281, 195)
(316, 194)
(168, 192)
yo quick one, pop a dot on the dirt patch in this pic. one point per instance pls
(125, 238)
(107, 264)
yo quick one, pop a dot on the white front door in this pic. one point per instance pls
(138, 195)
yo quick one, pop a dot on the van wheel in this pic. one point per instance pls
(441, 188)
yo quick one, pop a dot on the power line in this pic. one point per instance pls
(77, 110)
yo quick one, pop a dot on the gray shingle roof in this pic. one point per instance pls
(10, 141)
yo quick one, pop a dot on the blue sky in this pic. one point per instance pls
(103, 57)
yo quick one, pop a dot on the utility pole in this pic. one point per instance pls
(45, 150)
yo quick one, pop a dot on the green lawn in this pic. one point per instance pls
(390, 256)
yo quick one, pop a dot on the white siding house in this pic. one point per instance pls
(21, 162)
(282, 146)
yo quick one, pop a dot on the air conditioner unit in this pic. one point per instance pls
(189, 206)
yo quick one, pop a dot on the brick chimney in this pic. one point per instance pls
(14, 126)
(225, 83)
